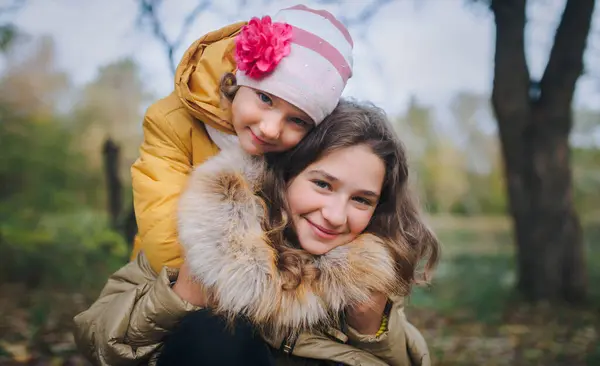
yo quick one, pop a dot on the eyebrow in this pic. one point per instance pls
(331, 178)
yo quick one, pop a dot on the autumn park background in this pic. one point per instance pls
(498, 102)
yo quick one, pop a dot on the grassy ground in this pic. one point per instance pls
(469, 316)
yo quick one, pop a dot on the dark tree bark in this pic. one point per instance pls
(130, 228)
(114, 187)
(534, 120)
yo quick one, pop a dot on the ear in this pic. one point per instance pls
(228, 89)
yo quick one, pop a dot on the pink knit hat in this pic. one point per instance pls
(303, 56)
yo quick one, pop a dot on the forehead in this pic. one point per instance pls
(356, 167)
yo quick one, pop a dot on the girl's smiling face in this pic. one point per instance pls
(265, 123)
(333, 200)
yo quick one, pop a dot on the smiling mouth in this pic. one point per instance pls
(258, 139)
(323, 232)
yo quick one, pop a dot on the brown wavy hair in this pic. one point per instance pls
(396, 219)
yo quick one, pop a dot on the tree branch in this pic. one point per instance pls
(565, 64)
(148, 11)
(364, 16)
(189, 20)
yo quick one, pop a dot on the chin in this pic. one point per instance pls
(316, 248)
(250, 148)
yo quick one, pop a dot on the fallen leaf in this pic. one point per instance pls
(18, 351)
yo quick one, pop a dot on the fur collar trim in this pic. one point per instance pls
(220, 228)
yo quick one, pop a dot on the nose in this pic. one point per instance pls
(271, 126)
(335, 213)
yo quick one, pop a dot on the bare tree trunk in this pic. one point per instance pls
(124, 223)
(111, 153)
(534, 121)
(130, 227)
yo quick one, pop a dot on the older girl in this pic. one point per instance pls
(314, 247)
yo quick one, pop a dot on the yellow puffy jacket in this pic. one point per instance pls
(175, 140)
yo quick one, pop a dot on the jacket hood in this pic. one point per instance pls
(226, 249)
(199, 73)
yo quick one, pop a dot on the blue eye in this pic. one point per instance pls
(264, 98)
(321, 184)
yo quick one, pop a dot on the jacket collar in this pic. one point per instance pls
(226, 249)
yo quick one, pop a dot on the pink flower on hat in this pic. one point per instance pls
(261, 45)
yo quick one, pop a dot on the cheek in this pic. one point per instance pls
(243, 112)
(290, 138)
(301, 197)
(236, 115)
(359, 220)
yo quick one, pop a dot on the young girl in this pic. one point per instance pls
(315, 248)
(290, 71)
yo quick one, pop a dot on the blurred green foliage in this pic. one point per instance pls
(7, 35)
(457, 165)
(40, 169)
(52, 229)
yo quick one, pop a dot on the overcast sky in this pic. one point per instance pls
(432, 50)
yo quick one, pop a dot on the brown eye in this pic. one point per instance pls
(363, 201)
